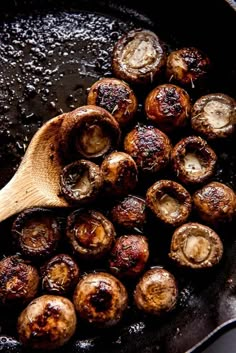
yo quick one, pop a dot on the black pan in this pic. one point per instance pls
(50, 53)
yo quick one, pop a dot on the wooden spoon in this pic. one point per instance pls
(37, 180)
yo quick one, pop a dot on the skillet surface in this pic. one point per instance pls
(49, 56)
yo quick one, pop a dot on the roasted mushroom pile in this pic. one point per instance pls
(132, 167)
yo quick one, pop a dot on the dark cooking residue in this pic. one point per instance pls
(47, 62)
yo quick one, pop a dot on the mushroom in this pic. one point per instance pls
(168, 107)
(90, 234)
(48, 322)
(60, 274)
(187, 66)
(138, 57)
(81, 182)
(119, 173)
(130, 213)
(213, 116)
(215, 203)
(116, 97)
(156, 292)
(129, 256)
(195, 246)
(89, 132)
(193, 160)
(19, 280)
(149, 147)
(100, 299)
(169, 201)
(36, 232)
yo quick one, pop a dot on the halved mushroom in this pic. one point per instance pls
(119, 173)
(47, 323)
(196, 246)
(193, 160)
(168, 107)
(90, 234)
(138, 57)
(156, 292)
(37, 232)
(19, 280)
(116, 97)
(215, 203)
(129, 256)
(88, 131)
(100, 299)
(187, 66)
(214, 115)
(130, 213)
(169, 201)
(60, 274)
(149, 147)
(81, 182)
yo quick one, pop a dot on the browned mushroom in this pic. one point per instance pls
(129, 256)
(149, 147)
(193, 160)
(138, 57)
(36, 232)
(48, 322)
(215, 203)
(81, 182)
(116, 97)
(100, 299)
(169, 201)
(90, 234)
(19, 280)
(168, 107)
(89, 131)
(187, 66)
(130, 213)
(119, 173)
(156, 292)
(196, 246)
(213, 116)
(60, 274)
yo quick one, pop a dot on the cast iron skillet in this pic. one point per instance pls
(50, 53)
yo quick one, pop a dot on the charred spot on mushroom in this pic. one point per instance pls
(81, 181)
(102, 299)
(37, 232)
(149, 147)
(196, 246)
(193, 160)
(90, 234)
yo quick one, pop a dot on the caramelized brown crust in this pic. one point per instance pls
(19, 281)
(169, 201)
(156, 292)
(149, 147)
(187, 66)
(90, 234)
(196, 246)
(81, 182)
(60, 274)
(88, 131)
(213, 116)
(138, 57)
(116, 97)
(215, 203)
(193, 160)
(100, 299)
(168, 106)
(36, 232)
(48, 322)
(119, 173)
(129, 256)
(130, 213)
